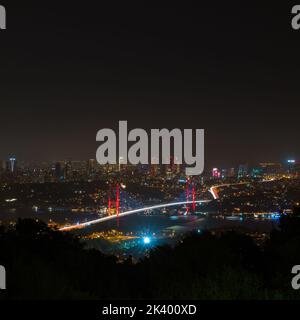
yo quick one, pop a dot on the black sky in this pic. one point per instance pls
(69, 70)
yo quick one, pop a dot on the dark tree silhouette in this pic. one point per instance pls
(44, 263)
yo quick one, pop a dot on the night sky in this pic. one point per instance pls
(68, 71)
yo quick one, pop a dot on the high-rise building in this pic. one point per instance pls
(291, 163)
(91, 167)
(68, 170)
(243, 170)
(58, 173)
(257, 172)
(11, 165)
(216, 173)
(224, 173)
(230, 172)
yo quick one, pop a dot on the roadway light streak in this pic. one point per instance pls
(126, 213)
(213, 192)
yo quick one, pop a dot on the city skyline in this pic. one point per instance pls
(219, 163)
(25, 162)
(201, 68)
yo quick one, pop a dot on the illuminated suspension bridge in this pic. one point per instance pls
(189, 202)
(129, 212)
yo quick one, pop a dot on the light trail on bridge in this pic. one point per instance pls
(214, 192)
(127, 213)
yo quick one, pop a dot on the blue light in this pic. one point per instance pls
(275, 216)
(146, 240)
(291, 161)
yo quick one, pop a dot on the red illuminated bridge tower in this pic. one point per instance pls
(114, 198)
(190, 193)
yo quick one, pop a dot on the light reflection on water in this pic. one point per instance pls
(140, 222)
(154, 226)
(143, 225)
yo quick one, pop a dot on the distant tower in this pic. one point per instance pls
(11, 165)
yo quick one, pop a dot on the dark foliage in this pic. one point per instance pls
(43, 263)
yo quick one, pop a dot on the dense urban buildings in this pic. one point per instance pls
(70, 193)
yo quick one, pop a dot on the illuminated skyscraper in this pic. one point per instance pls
(291, 163)
(243, 170)
(257, 172)
(216, 173)
(11, 165)
(224, 173)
